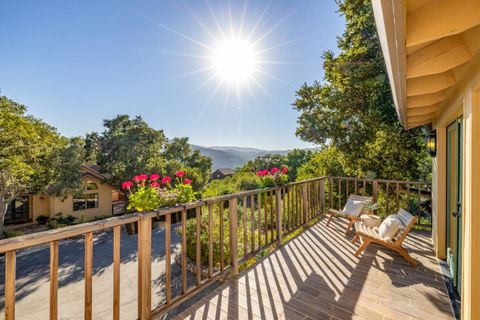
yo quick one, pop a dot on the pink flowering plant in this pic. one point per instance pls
(272, 177)
(146, 193)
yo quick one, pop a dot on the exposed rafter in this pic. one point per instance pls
(438, 57)
(423, 110)
(425, 99)
(440, 19)
(430, 84)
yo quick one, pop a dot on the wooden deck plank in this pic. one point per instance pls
(316, 275)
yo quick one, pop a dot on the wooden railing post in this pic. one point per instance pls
(330, 192)
(232, 208)
(53, 280)
(305, 203)
(88, 262)
(375, 191)
(144, 267)
(10, 271)
(278, 212)
(322, 197)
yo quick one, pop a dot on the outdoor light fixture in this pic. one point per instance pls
(432, 143)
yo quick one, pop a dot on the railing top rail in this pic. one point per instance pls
(382, 180)
(43, 237)
(39, 238)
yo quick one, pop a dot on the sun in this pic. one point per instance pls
(234, 61)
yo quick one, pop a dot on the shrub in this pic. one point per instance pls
(42, 219)
(273, 177)
(258, 223)
(147, 193)
(13, 233)
(60, 221)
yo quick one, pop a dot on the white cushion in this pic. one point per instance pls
(353, 208)
(389, 227)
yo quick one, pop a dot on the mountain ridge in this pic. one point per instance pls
(233, 157)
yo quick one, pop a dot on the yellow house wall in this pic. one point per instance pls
(40, 205)
(65, 206)
(465, 100)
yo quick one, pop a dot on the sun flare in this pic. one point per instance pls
(234, 61)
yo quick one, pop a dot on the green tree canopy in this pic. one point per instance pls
(33, 156)
(129, 146)
(352, 109)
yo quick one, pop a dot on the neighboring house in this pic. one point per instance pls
(97, 199)
(222, 173)
(431, 50)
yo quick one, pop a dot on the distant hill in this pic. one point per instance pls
(233, 157)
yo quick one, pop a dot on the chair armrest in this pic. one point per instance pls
(336, 211)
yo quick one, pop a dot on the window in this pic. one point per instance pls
(92, 186)
(17, 210)
(85, 201)
(92, 200)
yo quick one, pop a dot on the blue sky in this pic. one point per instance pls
(75, 63)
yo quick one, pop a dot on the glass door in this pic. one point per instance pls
(454, 200)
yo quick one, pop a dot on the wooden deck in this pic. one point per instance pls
(316, 276)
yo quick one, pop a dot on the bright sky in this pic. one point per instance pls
(192, 68)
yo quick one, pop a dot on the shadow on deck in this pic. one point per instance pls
(317, 276)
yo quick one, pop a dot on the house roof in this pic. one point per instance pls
(428, 47)
(226, 171)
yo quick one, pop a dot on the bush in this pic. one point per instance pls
(60, 221)
(42, 219)
(13, 233)
(258, 223)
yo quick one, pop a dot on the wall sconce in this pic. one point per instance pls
(432, 143)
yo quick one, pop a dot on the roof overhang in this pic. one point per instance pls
(428, 46)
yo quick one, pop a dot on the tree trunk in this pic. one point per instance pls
(3, 211)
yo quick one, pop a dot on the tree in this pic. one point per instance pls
(179, 155)
(128, 147)
(33, 156)
(328, 161)
(352, 109)
(295, 159)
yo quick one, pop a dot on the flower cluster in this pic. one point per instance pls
(154, 192)
(273, 171)
(272, 177)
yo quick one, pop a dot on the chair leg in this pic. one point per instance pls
(407, 257)
(355, 238)
(362, 247)
(330, 219)
(349, 227)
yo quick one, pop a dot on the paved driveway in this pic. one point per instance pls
(32, 286)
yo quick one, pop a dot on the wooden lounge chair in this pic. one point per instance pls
(349, 211)
(369, 235)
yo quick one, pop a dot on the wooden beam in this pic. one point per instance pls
(430, 84)
(425, 99)
(440, 19)
(420, 118)
(423, 110)
(438, 57)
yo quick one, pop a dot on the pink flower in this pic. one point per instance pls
(274, 170)
(180, 173)
(154, 177)
(260, 173)
(265, 172)
(166, 180)
(140, 177)
(284, 170)
(155, 184)
(127, 185)
(187, 181)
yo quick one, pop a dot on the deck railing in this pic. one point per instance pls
(253, 219)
